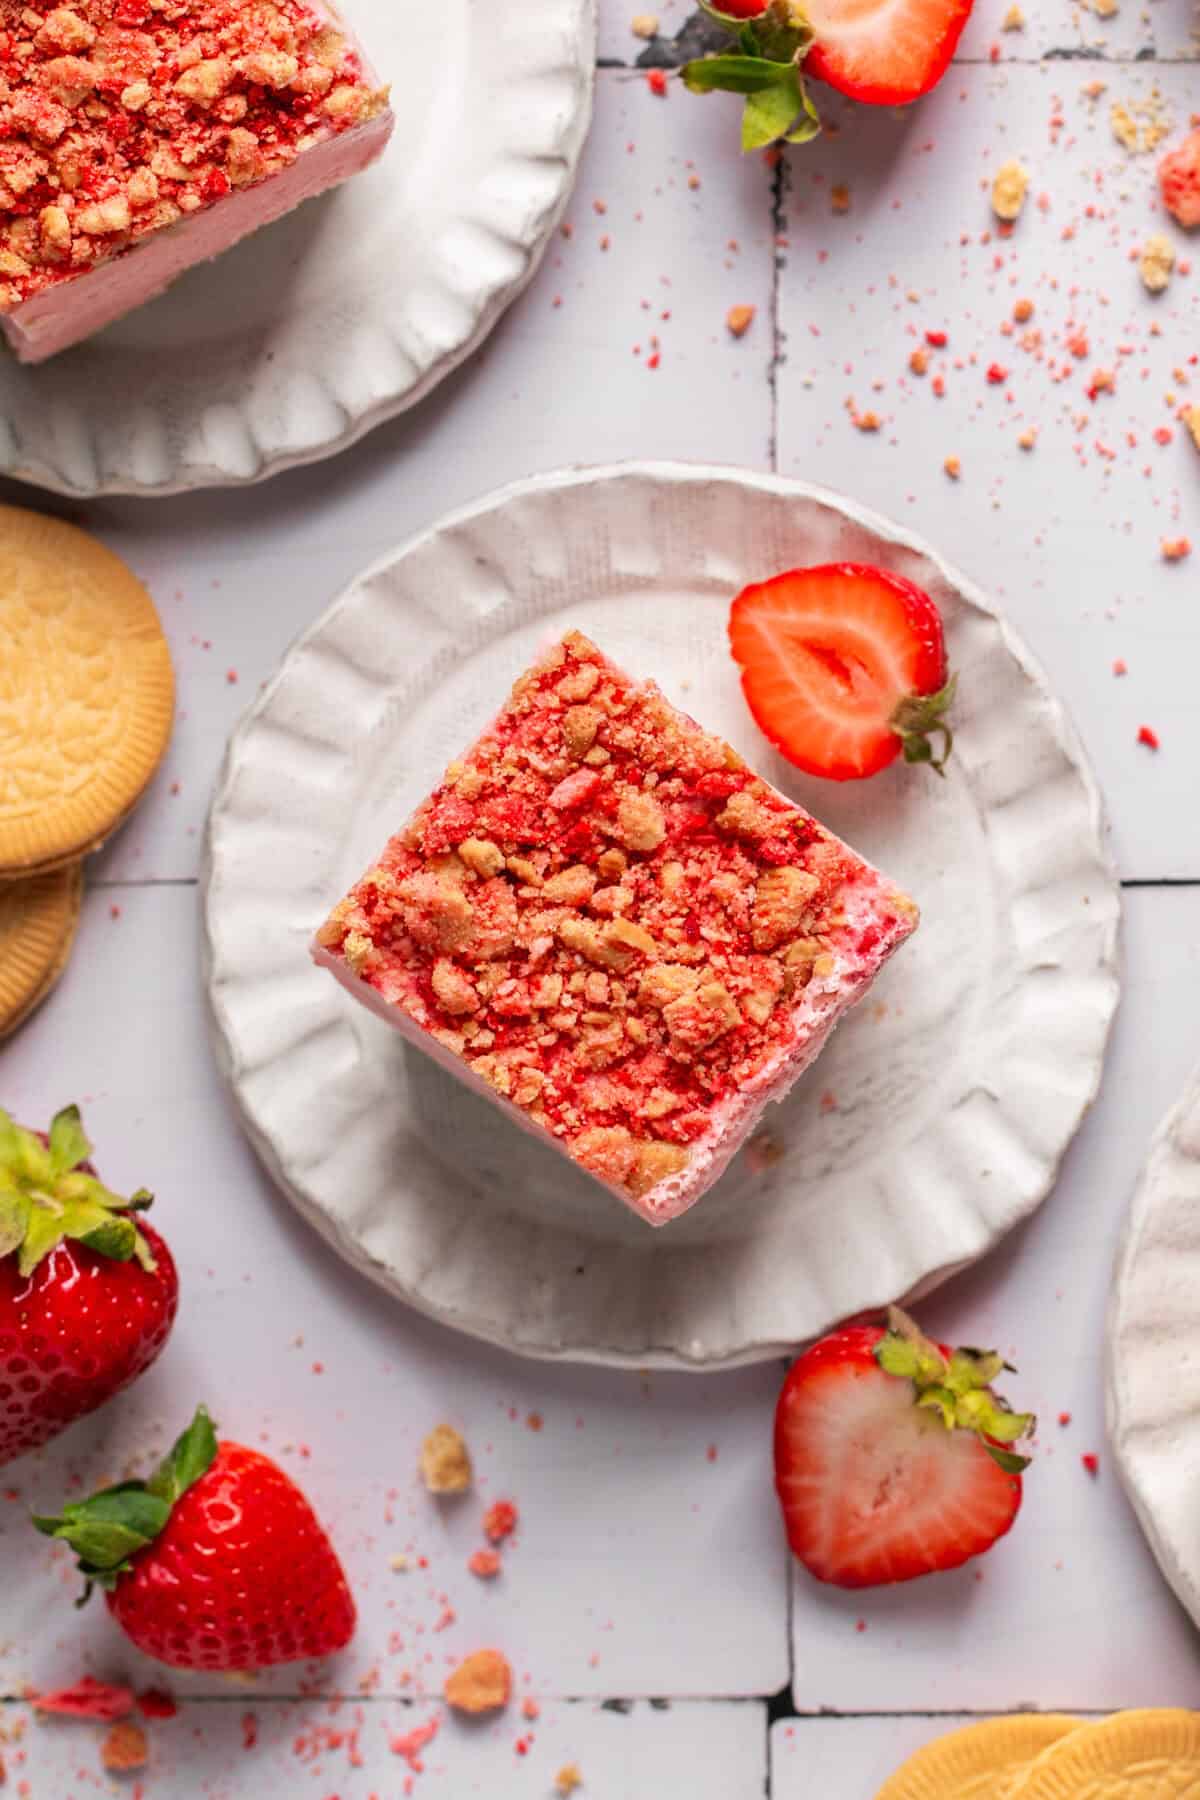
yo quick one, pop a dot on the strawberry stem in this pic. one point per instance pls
(920, 716)
(958, 1388)
(45, 1196)
(766, 68)
(111, 1527)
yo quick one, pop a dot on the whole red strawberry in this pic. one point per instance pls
(217, 1562)
(890, 1455)
(88, 1292)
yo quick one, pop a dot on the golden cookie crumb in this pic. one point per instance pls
(738, 320)
(1156, 263)
(644, 25)
(125, 1748)
(445, 1462)
(953, 467)
(1009, 188)
(481, 1683)
(568, 1779)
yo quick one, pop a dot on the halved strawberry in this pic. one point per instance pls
(889, 1456)
(844, 668)
(884, 52)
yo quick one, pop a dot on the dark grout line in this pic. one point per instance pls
(144, 881)
(1162, 881)
(1146, 56)
(778, 220)
(778, 1706)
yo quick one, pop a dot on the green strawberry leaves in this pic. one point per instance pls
(45, 1197)
(113, 1526)
(190, 1457)
(767, 69)
(958, 1388)
(920, 717)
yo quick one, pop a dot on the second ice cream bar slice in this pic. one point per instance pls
(605, 921)
(140, 137)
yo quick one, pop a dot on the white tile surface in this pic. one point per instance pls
(241, 1748)
(1068, 535)
(643, 1567)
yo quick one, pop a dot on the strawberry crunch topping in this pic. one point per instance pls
(118, 117)
(608, 916)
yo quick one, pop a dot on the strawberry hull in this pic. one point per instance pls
(604, 922)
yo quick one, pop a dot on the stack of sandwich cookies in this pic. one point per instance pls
(1152, 1754)
(86, 702)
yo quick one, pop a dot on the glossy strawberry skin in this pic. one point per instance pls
(242, 1576)
(75, 1332)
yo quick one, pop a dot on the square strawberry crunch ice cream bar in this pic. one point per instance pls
(139, 137)
(607, 923)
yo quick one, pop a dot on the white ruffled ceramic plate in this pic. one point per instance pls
(1153, 1350)
(352, 308)
(934, 1121)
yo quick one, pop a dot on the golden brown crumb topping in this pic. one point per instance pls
(608, 916)
(118, 117)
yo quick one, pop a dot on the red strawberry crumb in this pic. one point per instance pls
(485, 1564)
(124, 1748)
(249, 1730)
(711, 1453)
(231, 676)
(1120, 667)
(156, 1703)
(1175, 549)
(522, 1745)
(997, 373)
(114, 912)
(534, 1421)
(656, 81)
(1163, 434)
(860, 1624)
(1148, 737)
(530, 1708)
(1091, 1462)
(1064, 1418)
(652, 362)
(87, 1699)
(738, 320)
(937, 340)
(499, 1521)
(938, 385)
(410, 1744)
